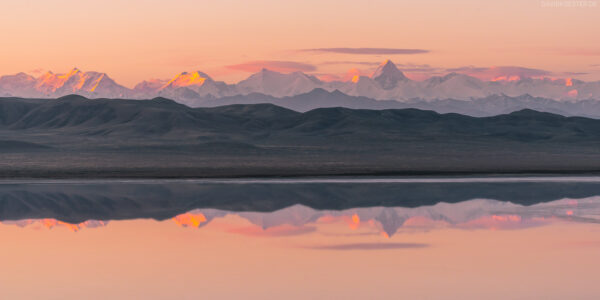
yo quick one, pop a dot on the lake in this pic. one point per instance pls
(518, 237)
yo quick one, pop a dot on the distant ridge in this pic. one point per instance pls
(477, 107)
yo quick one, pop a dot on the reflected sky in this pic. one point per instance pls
(386, 221)
(476, 248)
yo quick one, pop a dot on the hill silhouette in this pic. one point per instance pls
(159, 137)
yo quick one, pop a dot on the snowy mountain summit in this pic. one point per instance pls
(388, 76)
(387, 82)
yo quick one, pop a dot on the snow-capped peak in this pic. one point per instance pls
(388, 76)
(188, 79)
(73, 71)
(92, 84)
(150, 85)
(278, 84)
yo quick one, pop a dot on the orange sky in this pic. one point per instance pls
(136, 40)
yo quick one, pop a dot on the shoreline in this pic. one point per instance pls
(135, 176)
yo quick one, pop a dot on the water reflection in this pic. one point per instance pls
(53, 223)
(386, 221)
(75, 202)
(330, 240)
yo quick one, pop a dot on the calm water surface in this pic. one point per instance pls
(352, 238)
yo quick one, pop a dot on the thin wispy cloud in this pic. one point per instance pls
(281, 230)
(370, 246)
(351, 63)
(420, 72)
(501, 72)
(274, 65)
(327, 77)
(368, 51)
(409, 65)
(412, 67)
(581, 52)
(575, 73)
(417, 69)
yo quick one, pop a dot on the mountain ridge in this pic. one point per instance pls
(77, 111)
(478, 107)
(388, 82)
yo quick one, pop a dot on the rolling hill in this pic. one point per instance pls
(75, 136)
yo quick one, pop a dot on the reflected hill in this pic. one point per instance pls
(76, 202)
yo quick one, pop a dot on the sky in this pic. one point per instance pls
(229, 39)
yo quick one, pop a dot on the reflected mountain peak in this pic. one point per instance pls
(53, 223)
(190, 219)
(280, 208)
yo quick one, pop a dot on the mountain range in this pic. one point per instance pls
(386, 83)
(477, 107)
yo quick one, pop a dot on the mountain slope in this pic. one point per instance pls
(162, 116)
(77, 137)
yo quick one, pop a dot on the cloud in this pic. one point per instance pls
(368, 51)
(424, 71)
(370, 246)
(467, 70)
(412, 65)
(581, 52)
(502, 72)
(420, 70)
(412, 70)
(281, 230)
(361, 63)
(351, 73)
(351, 234)
(327, 77)
(592, 243)
(575, 73)
(275, 65)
